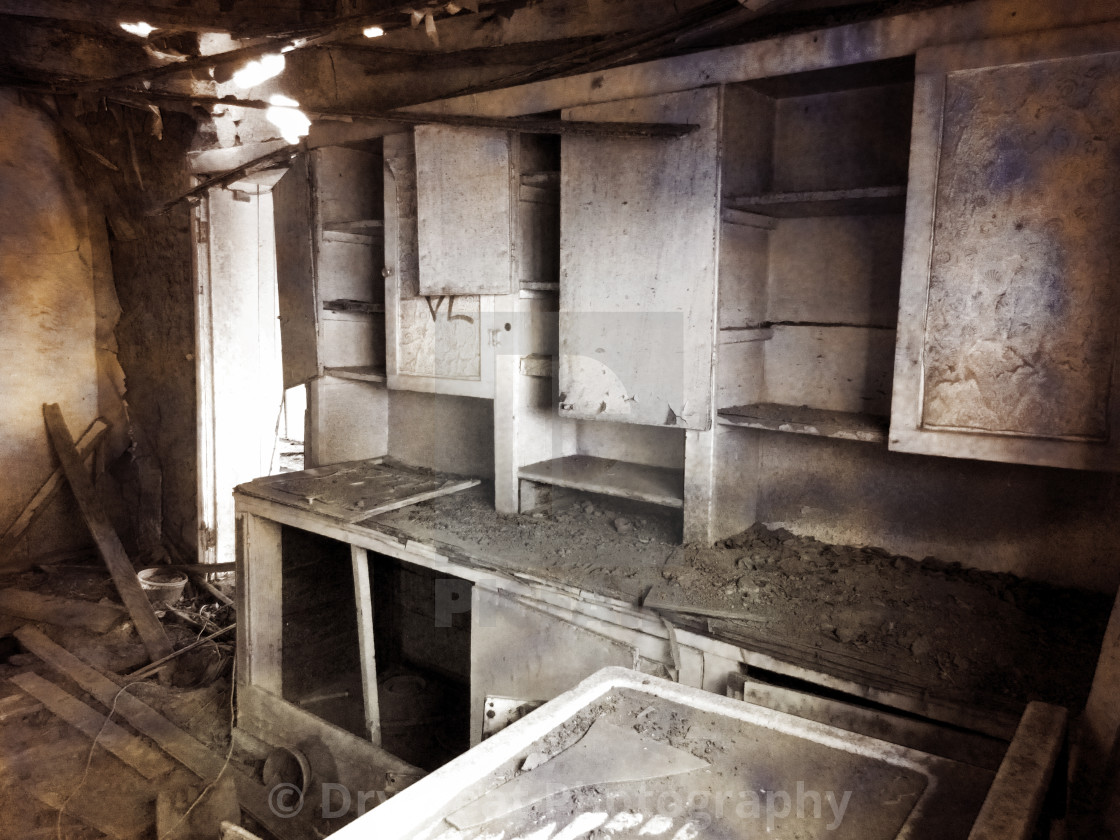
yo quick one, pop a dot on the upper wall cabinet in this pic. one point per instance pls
(638, 233)
(1009, 300)
(439, 342)
(329, 255)
(465, 201)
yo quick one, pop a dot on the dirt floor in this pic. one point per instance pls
(54, 783)
(961, 633)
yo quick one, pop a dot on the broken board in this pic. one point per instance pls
(355, 490)
(52, 609)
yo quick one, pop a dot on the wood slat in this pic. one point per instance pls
(658, 485)
(127, 747)
(184, 748)
(108, 543)
(52, 609)
(46, 493)
(803, 420)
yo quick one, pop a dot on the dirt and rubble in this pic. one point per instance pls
(945, 628)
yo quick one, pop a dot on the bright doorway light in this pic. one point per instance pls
(373, 31)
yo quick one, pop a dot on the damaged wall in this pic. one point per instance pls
(57, 308)
(76, 190)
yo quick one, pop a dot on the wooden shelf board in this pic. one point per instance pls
(359, 374)
(539, 286)
(356, 306)
(853, 202)
(658, 485)
(364, 226)
(802, 420)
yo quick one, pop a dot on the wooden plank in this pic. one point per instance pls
(108, 543)
(639, 348)
(659, 485)
(124, 824)
(259, 596)
(127, 747)
(17, 705)
(204, 568)
(46, 493)
(185, 749)
(803, 420)
(464, 210)
(53, 609)
(1015, 799)
(363, 596)
(359, 374)
(295, 274)
(970, 748)
(851, 202)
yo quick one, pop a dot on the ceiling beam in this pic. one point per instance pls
(524, 125)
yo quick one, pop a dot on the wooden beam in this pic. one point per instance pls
(108, 543)
(184, 748)
(363, 598)
(67, 612)
(269, 159)
(47, 492)
(524, 125)
(127, 747)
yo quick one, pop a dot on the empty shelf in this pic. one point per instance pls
(659, 485)
(360, 374)
(347, 305)
(855, 202)
(364, 226)
(802, 420)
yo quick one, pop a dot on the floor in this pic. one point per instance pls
(54, 783)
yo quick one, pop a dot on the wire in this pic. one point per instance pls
(105, 724)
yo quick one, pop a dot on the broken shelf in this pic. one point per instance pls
(658, 485)
(803, 420)
(368, 373)
(864, 201)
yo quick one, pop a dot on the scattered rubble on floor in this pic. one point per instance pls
(58, 681)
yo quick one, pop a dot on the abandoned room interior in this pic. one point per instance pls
(560, 419)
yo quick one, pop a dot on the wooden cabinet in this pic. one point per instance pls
(1009, 306)
(814, 179)
(638, 265)
(329, 255)
(440, 343)
(466, 191)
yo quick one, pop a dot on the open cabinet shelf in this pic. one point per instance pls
(657, 485)
(358, 373)
(860, 201)
(802, 420)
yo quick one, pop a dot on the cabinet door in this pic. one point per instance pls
(435, 343)
(465, 217)
(638, 235)
(1009, 304)
(295, 274)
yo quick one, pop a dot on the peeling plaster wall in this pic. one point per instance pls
(53, 313)
(152, 271)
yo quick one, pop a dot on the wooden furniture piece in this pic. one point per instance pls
(1009, 309)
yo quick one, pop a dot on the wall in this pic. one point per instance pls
(1048, 524)
(49, 322)
(449, 434)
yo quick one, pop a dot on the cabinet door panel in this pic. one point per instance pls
(295, 274)
(1009, 304)
(464, 205)
(638, 232)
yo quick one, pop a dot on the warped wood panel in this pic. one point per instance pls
(295, 277)
(638, 266)
(1010, 303)
(464, 210)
